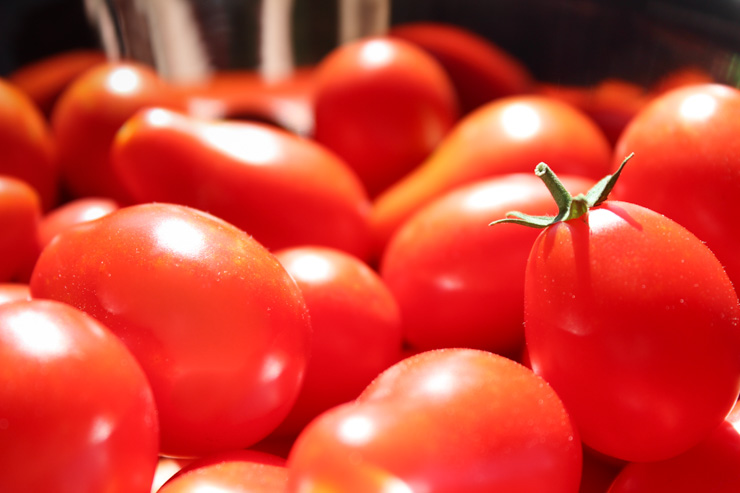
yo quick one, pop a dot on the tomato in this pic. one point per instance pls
(458, 282)
(448, 420)
(28, 150)
(383, 105)
(10, 291)
(166, 468)
(216, 322)
(509, 135)
(88, 115)
(712, 465)
(20, 213)
(634, 323)
(282, 189)
(71, 213)
(356, 329)
(235, 471)
(76, 412)
(479, 70)
(688, 165)
(44, 80)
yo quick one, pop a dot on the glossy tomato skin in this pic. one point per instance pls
(89, 113)
(712, 465)
(20, 213)
(282, 189)
(233, 471)
(28, 148)
(634, 323)
(219, 327)
(383, 105)
(509, 135)
(479, 70)
(449, 420)
(13, 291)
(459, 282)
(687, 165)
(356, 329)
(71, 213)
(77, 412)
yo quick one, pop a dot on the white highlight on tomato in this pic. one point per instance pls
(310, 268)
(439, 383)
(698, 107)
(356, 430)
(376, 52)
(123, 80)
(251, 144)
(520, 121)
(38, 336)
(180, 237)
(159, 117)
(492, 196)
(101, 430)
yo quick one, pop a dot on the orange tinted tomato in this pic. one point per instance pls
(20, 213)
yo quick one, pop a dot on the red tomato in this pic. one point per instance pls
(47, 78)
(218, 325)
(688, 165)
(449, 420)
(479, 70)
(634, 323)
(14, 292)
(26, 144)
(20, 213)
(356, 329)
(166, 468)
(458, 282)
(88, 115)
(282, 189)
(383, 105)
(72, 213)
(509, 135)
(242, 471)
(76, 412)
(713, 465)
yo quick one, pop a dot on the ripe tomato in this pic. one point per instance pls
(383, 105)
(356, 329)
(712, 465)
(43, 81)
(688, 165)
(26, 144)
(218, 325)
(509, 135)
(634, 323)
(76, 412)
(479, 70)
(282, 189)
(234, 471)
(20, 213)
(88, 115)
(458, 282)
(10, 291)
(71, 213)
(449, 420)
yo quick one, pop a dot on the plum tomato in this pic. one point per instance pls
(89, 113)
(447, 420)
(383, 105)
(634, 322)
(218, 325)
(71, 213)
(27, 144)
(356, 329)
(282, 189)
(20, 213)
(688, 165)
(77, 414)
(458, 282)
(508, 135)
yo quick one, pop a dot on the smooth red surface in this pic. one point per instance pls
(71, 213)
(443, 421)
(20, 213)
(634, 323)
(218, 325)
(76, 411)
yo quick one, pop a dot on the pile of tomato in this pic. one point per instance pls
(296, 286)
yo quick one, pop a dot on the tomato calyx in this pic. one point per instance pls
(569, 207)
